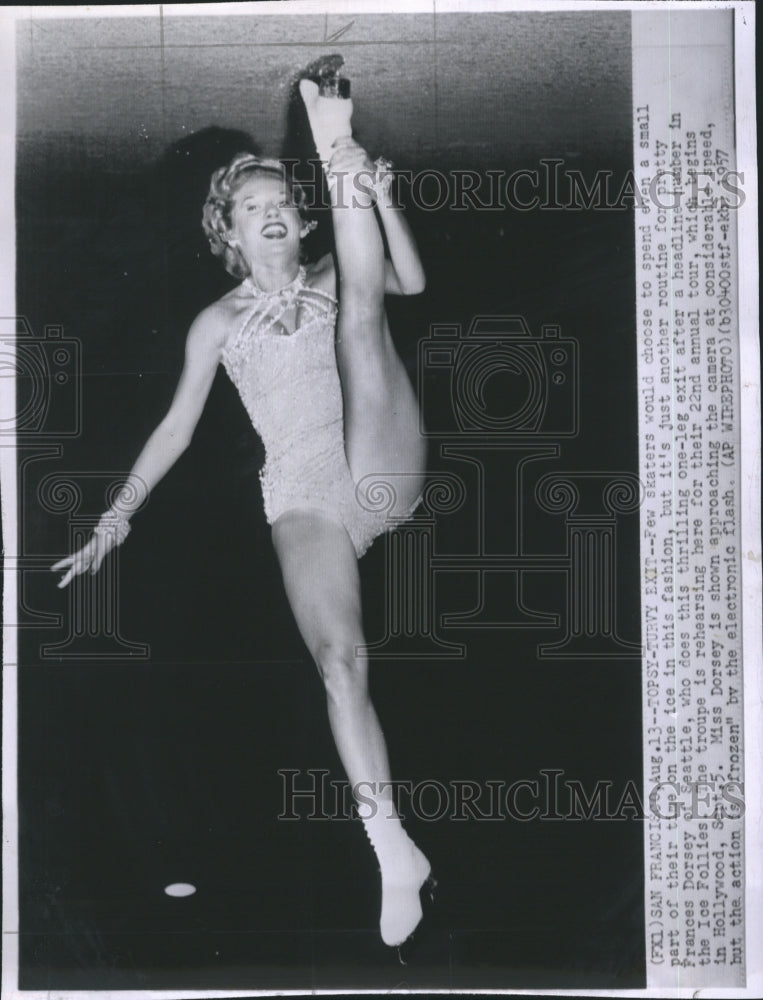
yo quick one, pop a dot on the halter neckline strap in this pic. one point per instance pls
(291, 289)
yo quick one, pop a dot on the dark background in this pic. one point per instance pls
(138, 772)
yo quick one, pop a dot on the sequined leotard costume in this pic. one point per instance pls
(290, 387)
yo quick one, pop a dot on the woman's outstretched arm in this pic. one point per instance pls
(166, 444)
(174, 432)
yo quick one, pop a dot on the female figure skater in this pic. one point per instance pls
(332, 401)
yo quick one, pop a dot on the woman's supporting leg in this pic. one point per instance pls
(381, 413)
(322, 584)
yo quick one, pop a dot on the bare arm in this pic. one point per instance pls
(404, 272)
(174, 432)
(167, 443)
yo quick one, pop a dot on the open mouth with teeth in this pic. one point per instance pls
(274, 231)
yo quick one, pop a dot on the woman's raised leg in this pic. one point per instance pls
(381, 414)
(321, 578)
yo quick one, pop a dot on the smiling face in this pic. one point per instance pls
(265, 221)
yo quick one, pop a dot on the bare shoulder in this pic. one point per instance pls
(210, 329)
(322, 275)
